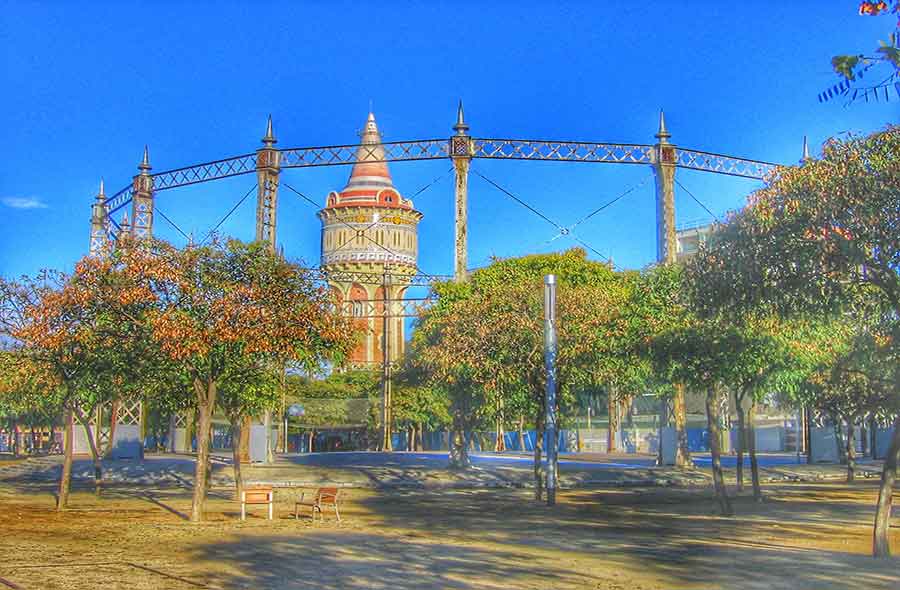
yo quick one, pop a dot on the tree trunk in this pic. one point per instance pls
(113, 420)
(839, 438)
(612, 408)
(420, 437)
(459, 444)
(851, 452)
(751, 446)
(521, 432)
(864, 436)
(244, 446)
(312, 440)
(538, 465)
(679, 411)
(712, 420)
(65, 480)
(663, 422)
(171, 438)
(206, 401)
(741, 441)
(95, 450)
(236, 457)
(881, 546)
(267, 424)
(14, 438)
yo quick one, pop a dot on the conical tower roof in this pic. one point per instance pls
(368, 170)
(370, 180)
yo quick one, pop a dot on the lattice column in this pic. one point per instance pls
(98, 223)
(128, 437)
(142, 200)
(461, 152)
(664, 161)
(268, 160)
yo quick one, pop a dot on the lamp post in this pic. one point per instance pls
(550, 369)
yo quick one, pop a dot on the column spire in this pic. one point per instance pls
(269, 140)
(805, 158)
(101, 195)
(144, 166)
(461, 128)
(663, 134)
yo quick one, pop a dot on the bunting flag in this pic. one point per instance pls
(844, 88)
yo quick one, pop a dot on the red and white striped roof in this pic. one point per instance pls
(370, 183)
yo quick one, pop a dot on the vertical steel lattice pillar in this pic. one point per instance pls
(664, 171)
(268, 166)
(142, 200)
(98, 223)
(666, 240)
(461, 153)
(550, 369)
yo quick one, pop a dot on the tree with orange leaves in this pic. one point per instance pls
(220, 312)
(70, 348)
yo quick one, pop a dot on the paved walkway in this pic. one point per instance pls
(427, 469)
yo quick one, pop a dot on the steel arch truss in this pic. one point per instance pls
(436, 149)
(563, 151)
(719, 164)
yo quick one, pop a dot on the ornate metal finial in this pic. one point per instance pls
(461, 128)
(805, 157)
(663, 134)
(101, 196)
(126, 227)
(269, 140)
(144, 166)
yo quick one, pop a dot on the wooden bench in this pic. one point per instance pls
(254, 496)
(323, 497)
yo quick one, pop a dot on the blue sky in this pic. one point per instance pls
(87, 85)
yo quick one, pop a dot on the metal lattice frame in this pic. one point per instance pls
(181, 420)
(374, 308)
(436, 149)
(130, 412)
(719, 164)
(563, 151)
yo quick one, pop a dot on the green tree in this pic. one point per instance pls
(816, 241)
(484, 338)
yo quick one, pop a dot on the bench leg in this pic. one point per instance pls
(336, 513)
(243, 511)
(271, 508)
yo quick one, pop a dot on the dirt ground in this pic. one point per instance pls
(803, 536)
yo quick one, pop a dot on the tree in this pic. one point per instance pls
(816, 241)
(484, 338)
(855, 382)
(216, 310)
(247, 389)
(699, 355)
(73, 348)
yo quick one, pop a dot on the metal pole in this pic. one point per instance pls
(550, 369)
(386, 365)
